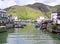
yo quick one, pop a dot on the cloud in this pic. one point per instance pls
(57, 2)
(8, 3)
(24, 2)
(49, 2)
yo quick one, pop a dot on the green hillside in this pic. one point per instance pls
(32, 11)
(42, 7)
(24, 12)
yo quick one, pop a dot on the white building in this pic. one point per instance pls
(15, 18)
(40, 19)
(3, 13)
(55, 17)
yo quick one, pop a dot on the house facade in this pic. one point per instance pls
(55, 17)
(3, 13)
(40, 19)
(3, 17)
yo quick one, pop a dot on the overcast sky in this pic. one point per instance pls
(8, 3)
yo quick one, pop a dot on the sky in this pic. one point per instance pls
(8, 3)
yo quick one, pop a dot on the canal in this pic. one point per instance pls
(27, 35)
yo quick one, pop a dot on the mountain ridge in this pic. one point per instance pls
(32, 11)
(24, 12)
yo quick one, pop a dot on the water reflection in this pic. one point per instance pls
(13, 36)
(18, 40)
(3, 37)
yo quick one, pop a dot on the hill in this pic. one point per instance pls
(56, 8)
(40, 6)
(32, 11)
(46, 9)
(24, 12)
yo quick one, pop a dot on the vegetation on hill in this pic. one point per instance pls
(24, 12)
(47, 10)
(32, 11)
(43, 8)
(40, 6)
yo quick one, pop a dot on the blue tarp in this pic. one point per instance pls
(37, 25)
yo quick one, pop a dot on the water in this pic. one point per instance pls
(17, 36)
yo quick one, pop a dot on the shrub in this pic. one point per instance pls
(54, 26)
